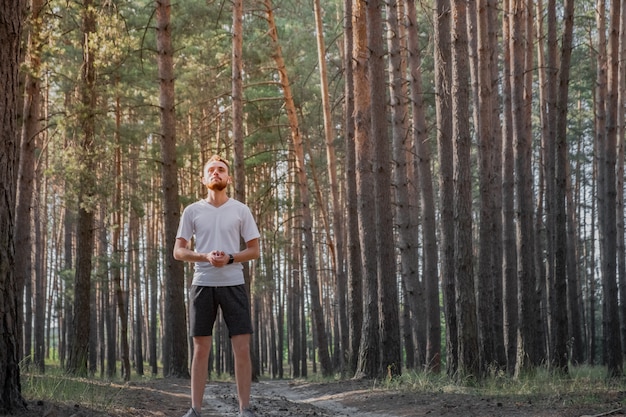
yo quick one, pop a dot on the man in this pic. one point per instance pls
(218, 224)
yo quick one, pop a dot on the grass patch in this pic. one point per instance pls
(60, 388)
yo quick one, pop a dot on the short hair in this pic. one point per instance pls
(216, 158)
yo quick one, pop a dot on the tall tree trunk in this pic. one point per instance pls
(315, 290)
(464, 275)
(601, 131)
(175, 352)
(407, 232)
(368, 363)
(621, 133)
(336, 241)
(26, 178)
(354, 270)
(134, 272)
(11, 23)
(509, 262)
(497, 248)
(559, 356)
(523, 187)
(78, 353)
(152, 270)
(429, 226)
(388, 301)
(443, 104)
(609, 282)
(485, 278)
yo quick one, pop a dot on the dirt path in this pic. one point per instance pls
(351, 398)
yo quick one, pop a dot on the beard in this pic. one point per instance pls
(217, 185)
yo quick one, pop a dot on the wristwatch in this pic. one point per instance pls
(231, 258)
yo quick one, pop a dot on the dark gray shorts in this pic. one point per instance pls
(203, 305)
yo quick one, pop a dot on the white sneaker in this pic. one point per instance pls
(193, 413)
(247, 412)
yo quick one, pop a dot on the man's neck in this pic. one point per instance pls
(216, 198)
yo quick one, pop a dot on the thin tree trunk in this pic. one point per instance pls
(509, 263)
(610, 300)
(429, 226)
(464, 277)
(559, 356)
(523, 187)
(316, 305)
(354, 270)
(485, 278)
(336, 242)
(26, 180)
(443, 104)
(621, 133)
(175, 352)
(78, 354)
(407, 235)
(388, 301)
(368, 358)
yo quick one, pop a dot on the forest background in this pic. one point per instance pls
(437, 184)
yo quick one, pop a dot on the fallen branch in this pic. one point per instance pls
(607, 413)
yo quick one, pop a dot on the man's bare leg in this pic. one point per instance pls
(199, 369)
(243, 368)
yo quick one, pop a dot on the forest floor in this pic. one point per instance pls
(347, 398)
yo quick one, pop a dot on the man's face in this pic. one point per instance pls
(216, 176)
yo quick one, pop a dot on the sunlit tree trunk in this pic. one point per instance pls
(315, 289)
(79, 348)
(368, 363)
(336, 241)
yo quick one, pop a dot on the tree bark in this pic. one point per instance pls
(509, 262)
(26, 180)
(613, 344)
(79, 348)
(354, 270)
(11, 24)
(422, 151)
(465, 297)
(523, 187)
(443, 104)
(368, 363)
(316, 305)
(336, 241)
(386, 257)
(175, 352)
(560, 354)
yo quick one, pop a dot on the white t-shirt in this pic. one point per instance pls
(217, 228)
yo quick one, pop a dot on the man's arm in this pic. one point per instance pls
(250, 252)
(183, 253)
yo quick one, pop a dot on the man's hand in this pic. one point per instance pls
(218, 258)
